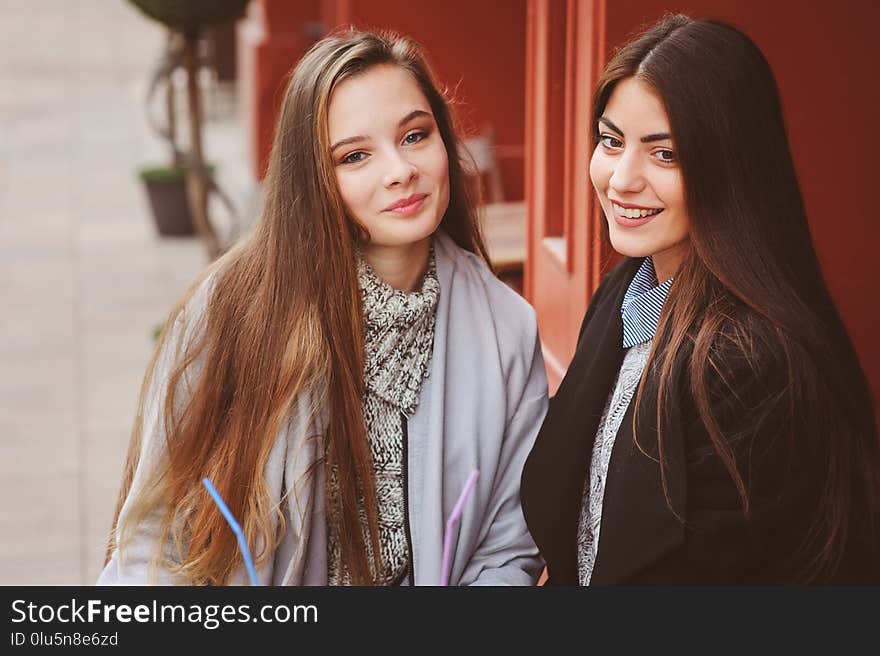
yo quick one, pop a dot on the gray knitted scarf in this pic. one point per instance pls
(399, 340)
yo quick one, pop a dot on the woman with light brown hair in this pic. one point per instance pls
(340, 373)
(714, 426)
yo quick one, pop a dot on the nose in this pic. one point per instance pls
(627, 175)
(401, 170)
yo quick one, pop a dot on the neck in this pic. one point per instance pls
(402, 267)
(666, 262)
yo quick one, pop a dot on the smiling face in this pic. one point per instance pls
(637, 178)
(390, 160)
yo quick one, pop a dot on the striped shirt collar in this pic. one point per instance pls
(642, 304)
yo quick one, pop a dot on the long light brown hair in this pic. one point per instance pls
(750, 287)
(284, 317)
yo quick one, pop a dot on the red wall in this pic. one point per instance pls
(271, 39)
(476, 47)
(825, 61)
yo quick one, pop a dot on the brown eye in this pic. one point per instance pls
(665, 155)
(610, 141)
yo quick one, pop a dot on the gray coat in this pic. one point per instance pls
(480, 407)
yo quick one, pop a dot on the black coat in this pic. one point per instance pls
(642, 541)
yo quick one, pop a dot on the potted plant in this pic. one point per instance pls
(166, 185)
(188, 19)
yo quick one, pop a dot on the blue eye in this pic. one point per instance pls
(354, 158)
(609, 141)
(415, 137)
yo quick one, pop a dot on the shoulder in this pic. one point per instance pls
(494, 317)
(188, 318)
(181, 340)
(737, 371)
(744, 350)
(472, 279)
(197, 301)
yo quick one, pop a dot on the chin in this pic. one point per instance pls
(418, 230)
(406, 235)
(629, 245)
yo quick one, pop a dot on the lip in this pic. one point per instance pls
(407, 206)
(631, 206)
(627, 222)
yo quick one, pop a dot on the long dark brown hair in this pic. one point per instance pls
(284, 317)
(750, 286)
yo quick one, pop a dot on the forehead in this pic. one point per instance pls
(373, 100)
(635, 107)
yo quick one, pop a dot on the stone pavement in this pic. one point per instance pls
(83, 277)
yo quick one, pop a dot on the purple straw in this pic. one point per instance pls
(454, 517)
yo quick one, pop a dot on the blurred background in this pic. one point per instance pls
(131, 153)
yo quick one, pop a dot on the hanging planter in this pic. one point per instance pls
(189, 18)
(194, 15)
(166, 193)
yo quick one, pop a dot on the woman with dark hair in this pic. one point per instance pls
(714, 426)
(340, 373)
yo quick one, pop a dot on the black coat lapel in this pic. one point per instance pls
(638, 528)
(554, 475)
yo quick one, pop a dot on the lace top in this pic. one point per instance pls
(594, 489)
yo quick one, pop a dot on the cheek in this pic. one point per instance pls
(599, 172)
(671, 191)
(354, 189)
(437, 164)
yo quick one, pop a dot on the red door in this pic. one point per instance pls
(566, 254)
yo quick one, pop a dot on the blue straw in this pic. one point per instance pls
(242, 543)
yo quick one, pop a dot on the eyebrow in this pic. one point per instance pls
(657, 136)
(416, 113)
